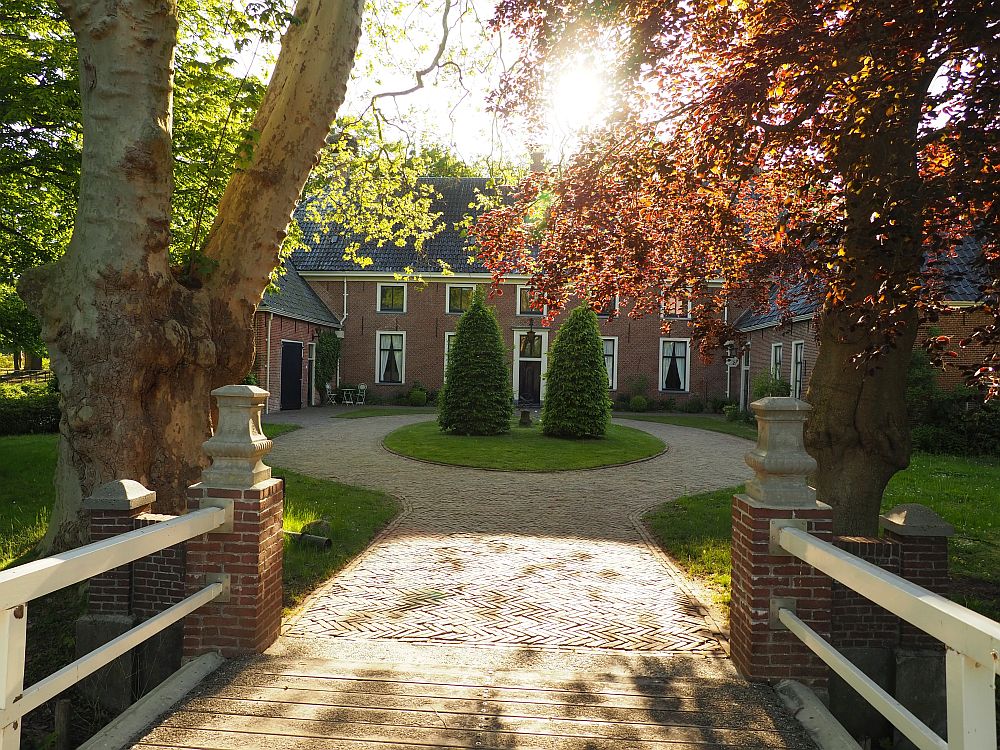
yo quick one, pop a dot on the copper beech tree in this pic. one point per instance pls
(834, 149)
(136, 344)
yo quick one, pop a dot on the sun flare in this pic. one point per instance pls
(577, 100)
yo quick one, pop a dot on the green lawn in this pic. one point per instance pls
(696, 529)
(275, 429)
(713, 422)
(384, 411)
(27, 465)
(523, 448)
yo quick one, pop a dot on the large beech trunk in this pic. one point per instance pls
(135, 350)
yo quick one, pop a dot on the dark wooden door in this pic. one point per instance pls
(529, 382)
(291, 375)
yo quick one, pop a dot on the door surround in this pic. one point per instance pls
(544, 334)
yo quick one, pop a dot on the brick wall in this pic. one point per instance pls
(426, 322)
(157, 580)
(858, 622)
(287, 329)
(959, 325)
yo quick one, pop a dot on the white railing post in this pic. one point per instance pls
(972, 721)
(13, 631)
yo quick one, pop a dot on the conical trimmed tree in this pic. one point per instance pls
(577, 402)
(477, 398)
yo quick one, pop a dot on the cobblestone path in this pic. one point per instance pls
(553, 560)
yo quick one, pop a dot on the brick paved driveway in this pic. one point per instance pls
(552, 561)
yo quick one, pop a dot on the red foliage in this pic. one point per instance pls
(839, 149)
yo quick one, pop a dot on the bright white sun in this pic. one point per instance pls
(577, 101)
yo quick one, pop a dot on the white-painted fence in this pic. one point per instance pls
(972, 641)
(21, 585)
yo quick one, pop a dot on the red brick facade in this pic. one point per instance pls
(426, 321)
(275, 328)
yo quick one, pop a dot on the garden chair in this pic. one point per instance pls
(362, 390)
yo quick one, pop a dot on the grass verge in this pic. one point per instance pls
(275, 429)
(523, 448)
(384, 411)
(696, 529)
(711, 422)
(352, 517)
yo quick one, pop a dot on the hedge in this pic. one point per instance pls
(28, 408)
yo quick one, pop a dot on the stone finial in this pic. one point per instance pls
(780, 462)
(913, 519)
(239, 443)
(121, 494)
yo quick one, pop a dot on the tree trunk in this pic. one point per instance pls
(137, 352)
(859, 432)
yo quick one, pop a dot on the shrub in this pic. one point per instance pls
(622, 400)
(667, 404)
(766, 384)
(732, 412)
(693, 406)
(477, 398)
(636, 385)
(638, 403)
(718, 405)
(577, 403)
(327, 354)
(27, 408)
(418, 397)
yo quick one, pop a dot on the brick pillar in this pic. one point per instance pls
(763, 575)
(922, 536)
(249, 555)
(113, 508)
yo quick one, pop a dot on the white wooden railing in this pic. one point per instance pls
(972, 641)
(21, 585)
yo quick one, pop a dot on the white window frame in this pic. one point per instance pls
(797, 368)
(687, 365)
(447, 296)
(530, 313)
(613, 380)
(448, 335)
(777, 363)
(378, 357)
(605, 316)
(686, 316)
(378, 297)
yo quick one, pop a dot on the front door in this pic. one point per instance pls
(291, 375)
(529, 359)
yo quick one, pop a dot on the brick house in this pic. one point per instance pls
(398, 314)
(289, 319)
(396, 332)
(788, 348)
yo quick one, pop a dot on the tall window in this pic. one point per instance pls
(449, 341)
(776, 360)
(674, 364)
(798, 367)
(392, 298)
(459, 298)
(391, 357)
(610, 360)
(524, 302)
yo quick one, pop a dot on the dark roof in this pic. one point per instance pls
(800, 303)
(964, 274)
(457, 193)
(961, 272)
(295, 299)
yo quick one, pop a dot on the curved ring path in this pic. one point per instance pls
(501, 610)
(505, 558)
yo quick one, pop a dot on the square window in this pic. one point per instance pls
(459, 298)
(392, 298)
(677, 307)
(608, 309)
(524, 302)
